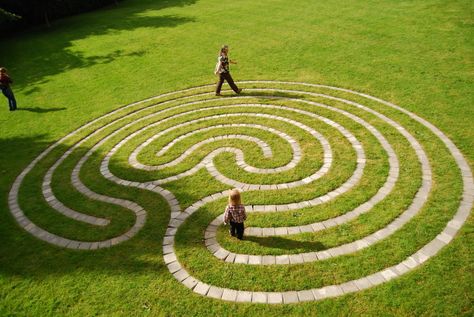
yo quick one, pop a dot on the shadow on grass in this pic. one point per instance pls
(273, 94)
(40, 110)
(22, 254)
(286, 244)
(56, 57)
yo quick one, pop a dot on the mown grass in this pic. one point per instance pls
(445, 178)
(415, 54)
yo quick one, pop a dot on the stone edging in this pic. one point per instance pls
(177, 217)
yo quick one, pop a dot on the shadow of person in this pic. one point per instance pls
(286, 244)
(40, 110)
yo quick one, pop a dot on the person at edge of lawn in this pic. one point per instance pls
(222, 70)
(235, 214)
(5, 82)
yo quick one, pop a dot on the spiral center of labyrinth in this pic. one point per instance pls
(329, 177)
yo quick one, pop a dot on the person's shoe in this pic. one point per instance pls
(219, 95)
(239, 91)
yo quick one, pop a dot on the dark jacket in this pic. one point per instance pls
(5, 80)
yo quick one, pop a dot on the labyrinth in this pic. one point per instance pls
(344, 191)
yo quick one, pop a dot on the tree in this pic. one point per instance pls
(6, 16)
(35, 12)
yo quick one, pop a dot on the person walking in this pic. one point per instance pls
(235, 214)
(222, 70)
(5, 82)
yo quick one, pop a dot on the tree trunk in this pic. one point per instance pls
(46, 18)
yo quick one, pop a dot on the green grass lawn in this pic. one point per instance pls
(419, 55)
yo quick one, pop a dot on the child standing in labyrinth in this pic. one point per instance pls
(235, 214)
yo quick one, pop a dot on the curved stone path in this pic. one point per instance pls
(178, 217)
(417, 204)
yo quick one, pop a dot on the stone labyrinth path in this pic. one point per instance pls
(352, 183)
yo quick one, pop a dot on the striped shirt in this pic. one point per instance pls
(224, 64)
(235, 214)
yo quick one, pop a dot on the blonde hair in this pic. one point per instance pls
(234, 198)
(3, 70)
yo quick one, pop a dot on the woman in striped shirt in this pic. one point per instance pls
(235, 214)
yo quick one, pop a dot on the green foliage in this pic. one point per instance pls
(7, 19)
(6, 16)
(43, 11)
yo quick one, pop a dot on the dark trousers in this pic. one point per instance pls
(230, 81)
(7, 92)
(237, 228)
